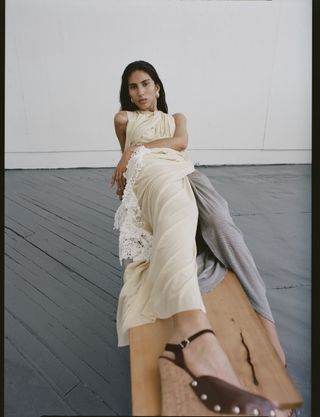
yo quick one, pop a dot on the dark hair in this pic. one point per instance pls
(125, 100)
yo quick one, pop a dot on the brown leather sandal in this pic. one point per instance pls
(182, 393)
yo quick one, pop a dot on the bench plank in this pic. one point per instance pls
(242, 336)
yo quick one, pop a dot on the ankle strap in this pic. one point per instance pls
(194, 336)
(177, 349)
(184, 343)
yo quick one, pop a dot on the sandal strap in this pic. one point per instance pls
(184, 343)
(177, 349)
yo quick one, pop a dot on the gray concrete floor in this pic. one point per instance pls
(63, 278)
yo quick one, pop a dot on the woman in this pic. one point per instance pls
(177, 240)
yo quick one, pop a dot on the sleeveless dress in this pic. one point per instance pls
(177, 239)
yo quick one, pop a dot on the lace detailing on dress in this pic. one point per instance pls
(134, 240)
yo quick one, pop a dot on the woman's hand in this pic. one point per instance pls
(120, 169)
(120, 193)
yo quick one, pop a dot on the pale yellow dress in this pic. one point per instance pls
(157, 219)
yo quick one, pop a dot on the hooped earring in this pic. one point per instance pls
(157, 94)
(131, 100)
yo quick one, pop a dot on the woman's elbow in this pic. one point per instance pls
(183, 143)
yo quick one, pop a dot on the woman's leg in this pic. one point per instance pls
(205, 355)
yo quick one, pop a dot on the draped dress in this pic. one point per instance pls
(167, 233)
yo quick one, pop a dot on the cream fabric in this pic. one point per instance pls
(167, 283)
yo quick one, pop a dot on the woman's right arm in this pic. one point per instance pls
(120, 125)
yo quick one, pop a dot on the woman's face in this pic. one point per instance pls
(143, 90)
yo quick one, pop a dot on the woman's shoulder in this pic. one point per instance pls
(179, 116)
(179, 119)
(121, 117)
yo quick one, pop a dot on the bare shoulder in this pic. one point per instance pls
(180, 117)
(121, 118)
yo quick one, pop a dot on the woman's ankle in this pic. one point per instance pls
(188, 323)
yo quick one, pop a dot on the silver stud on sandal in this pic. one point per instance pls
(217, 408)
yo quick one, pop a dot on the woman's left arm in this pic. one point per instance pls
(179, 141)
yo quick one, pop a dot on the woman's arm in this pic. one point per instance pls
(179, 141)
(120, 125)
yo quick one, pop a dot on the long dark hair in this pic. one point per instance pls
(125, 100)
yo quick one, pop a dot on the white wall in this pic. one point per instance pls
(239, 70)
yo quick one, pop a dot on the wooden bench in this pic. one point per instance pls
(238, 329)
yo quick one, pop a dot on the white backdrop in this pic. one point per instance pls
(239, 70)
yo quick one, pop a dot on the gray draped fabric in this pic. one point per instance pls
(221, 245)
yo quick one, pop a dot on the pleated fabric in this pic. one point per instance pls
(168, 282)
